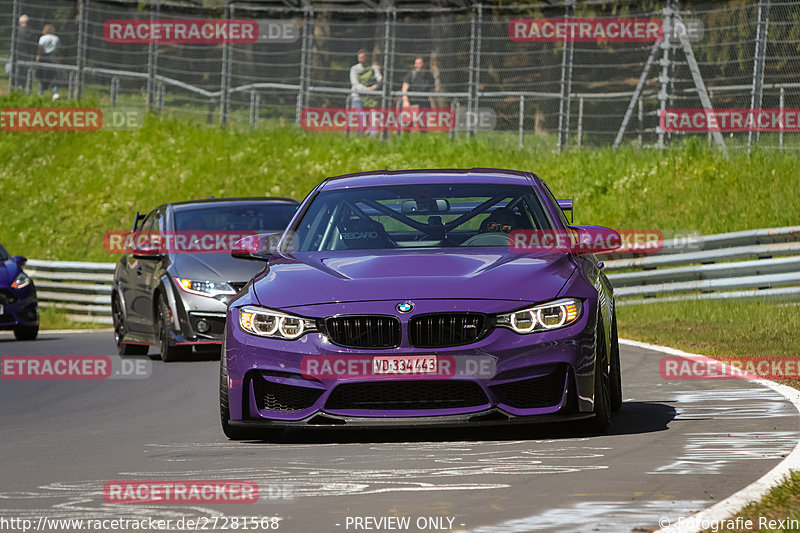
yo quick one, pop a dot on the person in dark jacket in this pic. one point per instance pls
(417, 80)
(25, 49)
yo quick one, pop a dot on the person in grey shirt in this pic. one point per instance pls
(49, 45)
(365, 77)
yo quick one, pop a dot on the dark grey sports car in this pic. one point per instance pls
(174, 285)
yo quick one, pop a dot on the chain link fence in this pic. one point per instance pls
(742, 53)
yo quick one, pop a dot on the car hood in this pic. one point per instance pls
(8, 271)
(214, 267)
(323, 277)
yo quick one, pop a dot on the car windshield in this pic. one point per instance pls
(256, 217)
(417, 216)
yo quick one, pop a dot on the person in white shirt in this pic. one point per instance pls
(49, 44)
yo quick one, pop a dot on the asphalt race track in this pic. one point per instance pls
(676, 447)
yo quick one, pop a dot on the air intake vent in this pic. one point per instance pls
(364, 331)
(440, 330)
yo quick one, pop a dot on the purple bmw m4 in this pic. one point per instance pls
(397, 298)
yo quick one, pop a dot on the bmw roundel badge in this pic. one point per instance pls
(405, 307)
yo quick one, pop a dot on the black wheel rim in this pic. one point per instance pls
(119, 333)
(163, 330)
(607, 388)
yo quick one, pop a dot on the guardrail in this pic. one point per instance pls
(82, 289)
(762, 263)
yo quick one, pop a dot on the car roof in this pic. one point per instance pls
(418, 176)
(244, 199)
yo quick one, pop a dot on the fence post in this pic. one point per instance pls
(12, 78)
(521, 120)
(641, 123)
(454, 105)
(254, 109)
(389, 31)
(708, 135)
(477, 80)
(666, 43)
(580, 120)
(114, 90)
(225, 82)
(758, 62)
(566, 81)
(472, 82)
(780, 105)
(81, 57)
(305, 60)
(152, 57)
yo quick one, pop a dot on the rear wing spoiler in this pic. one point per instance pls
(138, 219)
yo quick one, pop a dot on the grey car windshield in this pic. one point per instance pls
(417, 216)
(256, 217)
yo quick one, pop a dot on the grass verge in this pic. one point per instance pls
(67, 189)
(56, 318)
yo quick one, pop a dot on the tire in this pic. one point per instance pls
(26, 333)
(120, 330)
(615, 374)
(602, 387)
(169, 352)
(233, 433)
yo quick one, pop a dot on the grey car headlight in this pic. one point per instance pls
(210, 289)
(266, 322)
(542, 317)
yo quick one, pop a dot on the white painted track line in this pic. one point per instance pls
(754, 491)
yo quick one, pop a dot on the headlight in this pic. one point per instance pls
(21, 281)
(543, 317)
(211, 289)
(266, 322)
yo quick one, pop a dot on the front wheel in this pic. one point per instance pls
(169, 352)
(615, 374)
(232, 432)
(26, 333)
(602, 386)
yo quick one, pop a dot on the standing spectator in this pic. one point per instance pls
(49, 44)
(417, 80)
(25, 49)
(364, 77)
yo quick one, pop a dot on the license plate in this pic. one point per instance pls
(404, 364)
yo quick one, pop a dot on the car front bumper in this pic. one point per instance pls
(19, 307)
(537, 377)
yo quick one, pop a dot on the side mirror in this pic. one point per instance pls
(148, 250)
(594, 239)
(19, 260)
(256, 247)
